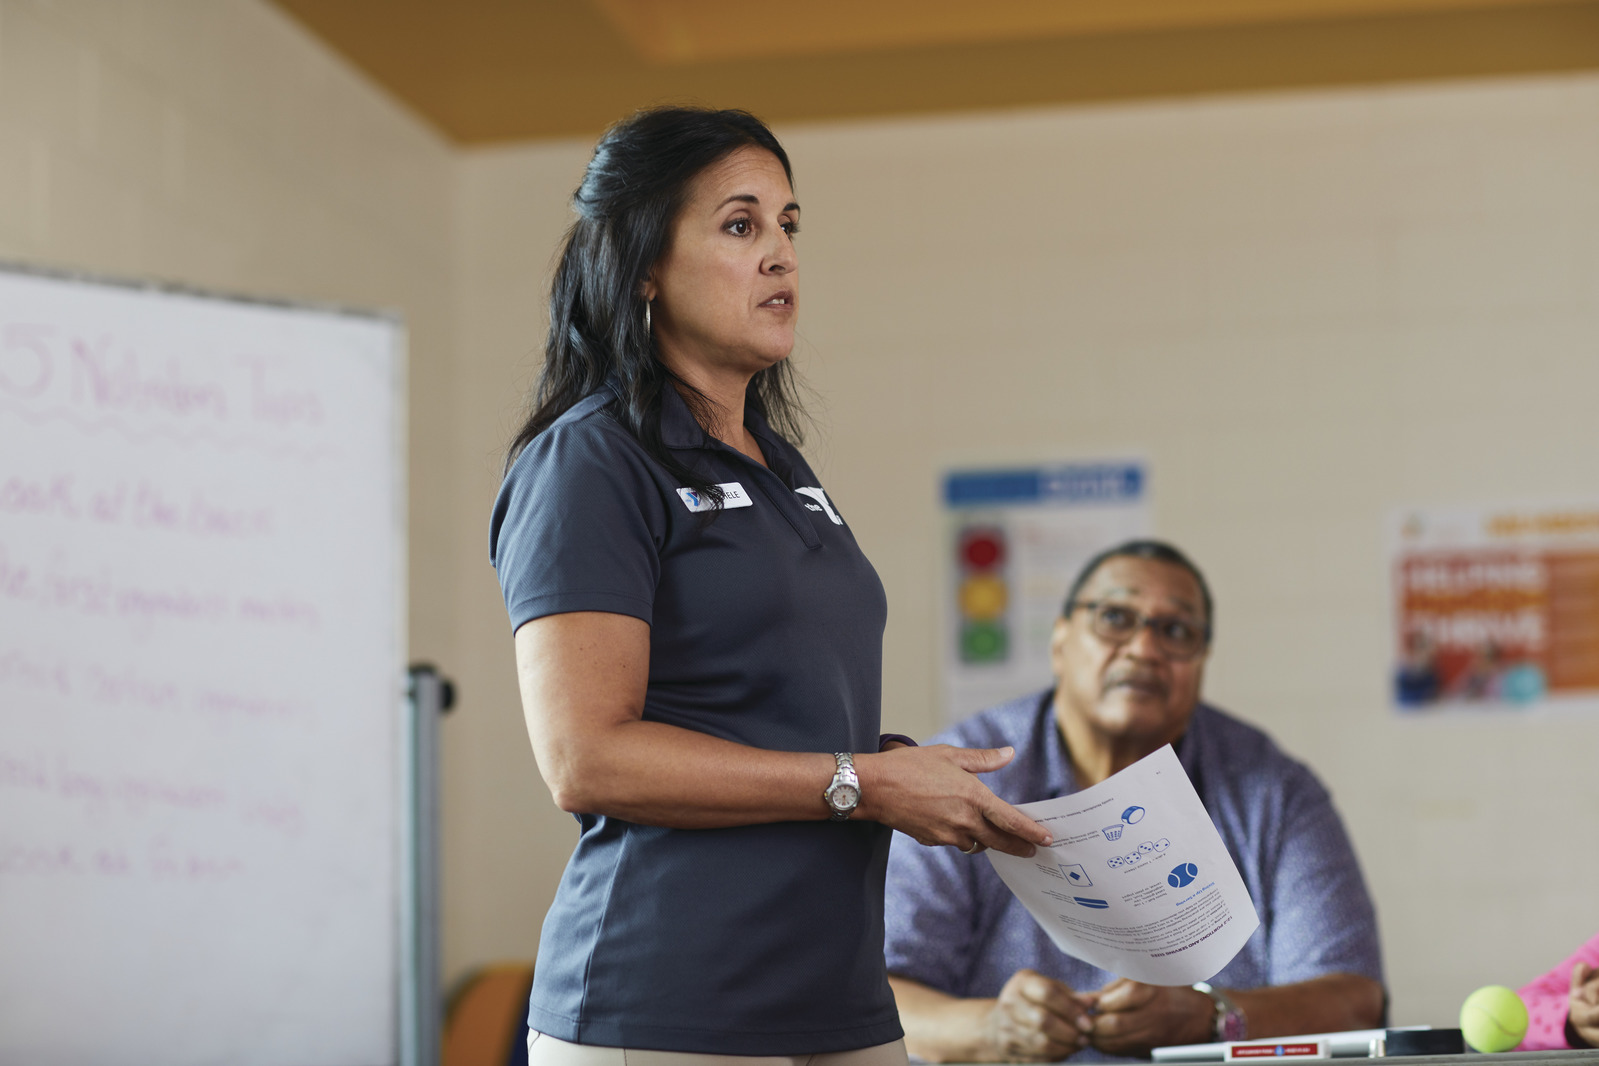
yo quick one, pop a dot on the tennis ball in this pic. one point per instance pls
(1493, 1019)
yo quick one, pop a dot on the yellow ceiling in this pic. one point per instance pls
(497, 70)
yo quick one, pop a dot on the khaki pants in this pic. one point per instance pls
(547, 1051)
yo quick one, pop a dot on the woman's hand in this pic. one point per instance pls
(933, 794)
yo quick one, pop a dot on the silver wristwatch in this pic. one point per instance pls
(1230, 1023)
(844, 794)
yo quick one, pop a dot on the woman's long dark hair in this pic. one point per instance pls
(634, 187)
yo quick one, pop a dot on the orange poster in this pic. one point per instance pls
(1496, 607)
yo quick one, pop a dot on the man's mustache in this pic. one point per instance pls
(1138, 677)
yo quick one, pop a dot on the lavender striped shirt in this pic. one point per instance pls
(953, 925)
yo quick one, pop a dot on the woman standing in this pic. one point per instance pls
(699, 638)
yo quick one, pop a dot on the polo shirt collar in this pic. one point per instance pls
(1055, 768)
(680, 430)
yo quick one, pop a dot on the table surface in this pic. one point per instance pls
(1506, 1058)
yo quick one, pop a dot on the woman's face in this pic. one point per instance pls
(724, 294)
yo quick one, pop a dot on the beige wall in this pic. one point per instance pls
(213, 143)
(1304, 309)
(505, 841)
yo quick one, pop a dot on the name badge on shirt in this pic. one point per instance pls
(821, 504)
(733, 495)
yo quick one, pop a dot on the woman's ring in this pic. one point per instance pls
(974, 849)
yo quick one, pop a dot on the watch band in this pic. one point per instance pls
(844, 794)
(1230, 1022)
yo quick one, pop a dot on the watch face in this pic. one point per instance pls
(844, 797)
(1232, 1026)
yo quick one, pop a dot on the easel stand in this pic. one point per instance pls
(421, 997)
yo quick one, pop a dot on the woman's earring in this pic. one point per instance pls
(646, 318)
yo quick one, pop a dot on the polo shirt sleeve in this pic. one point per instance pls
(1321, 917)
(578, 525)
(930, 914)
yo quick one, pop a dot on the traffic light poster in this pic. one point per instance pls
(1016, 537)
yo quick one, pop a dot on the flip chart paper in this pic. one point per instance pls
(202, 655)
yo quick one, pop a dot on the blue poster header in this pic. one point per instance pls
(1078, 484)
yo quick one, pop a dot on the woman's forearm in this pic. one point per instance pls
(657, 774)
(583, 678)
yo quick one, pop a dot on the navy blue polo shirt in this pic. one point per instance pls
(766, 628)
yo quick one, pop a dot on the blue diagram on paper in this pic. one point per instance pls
(1133, 815)
(1200, 918)
(1182, 875)
(1145, 850)
(1076, 874)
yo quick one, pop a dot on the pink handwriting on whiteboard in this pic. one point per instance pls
(125, 689)
(26, 366)
(162, 861)
(46, 497)
(285, 816)
(138, 795)
(284, 406)
(168, 862)
(100, 794)
(281, 610)
(142, 504)
(37, 673)
(252, 705)
(133, 794)
(19, 859)
(99, 594)
(110, 379)
(99, 380)
(25, 771)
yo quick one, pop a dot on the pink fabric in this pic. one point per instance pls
(1547, 998)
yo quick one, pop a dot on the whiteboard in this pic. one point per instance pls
(201, 674)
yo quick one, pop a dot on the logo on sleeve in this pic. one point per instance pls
(815, 493)
(733, 495)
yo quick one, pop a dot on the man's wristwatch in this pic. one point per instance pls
(1230, 1023)
(844, 794)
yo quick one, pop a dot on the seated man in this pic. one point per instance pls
(977, 979)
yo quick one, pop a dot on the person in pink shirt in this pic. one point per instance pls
(1563, 1004)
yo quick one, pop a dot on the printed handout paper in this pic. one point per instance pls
(1138, 881)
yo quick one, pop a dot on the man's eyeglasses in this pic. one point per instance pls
(1117, 623)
